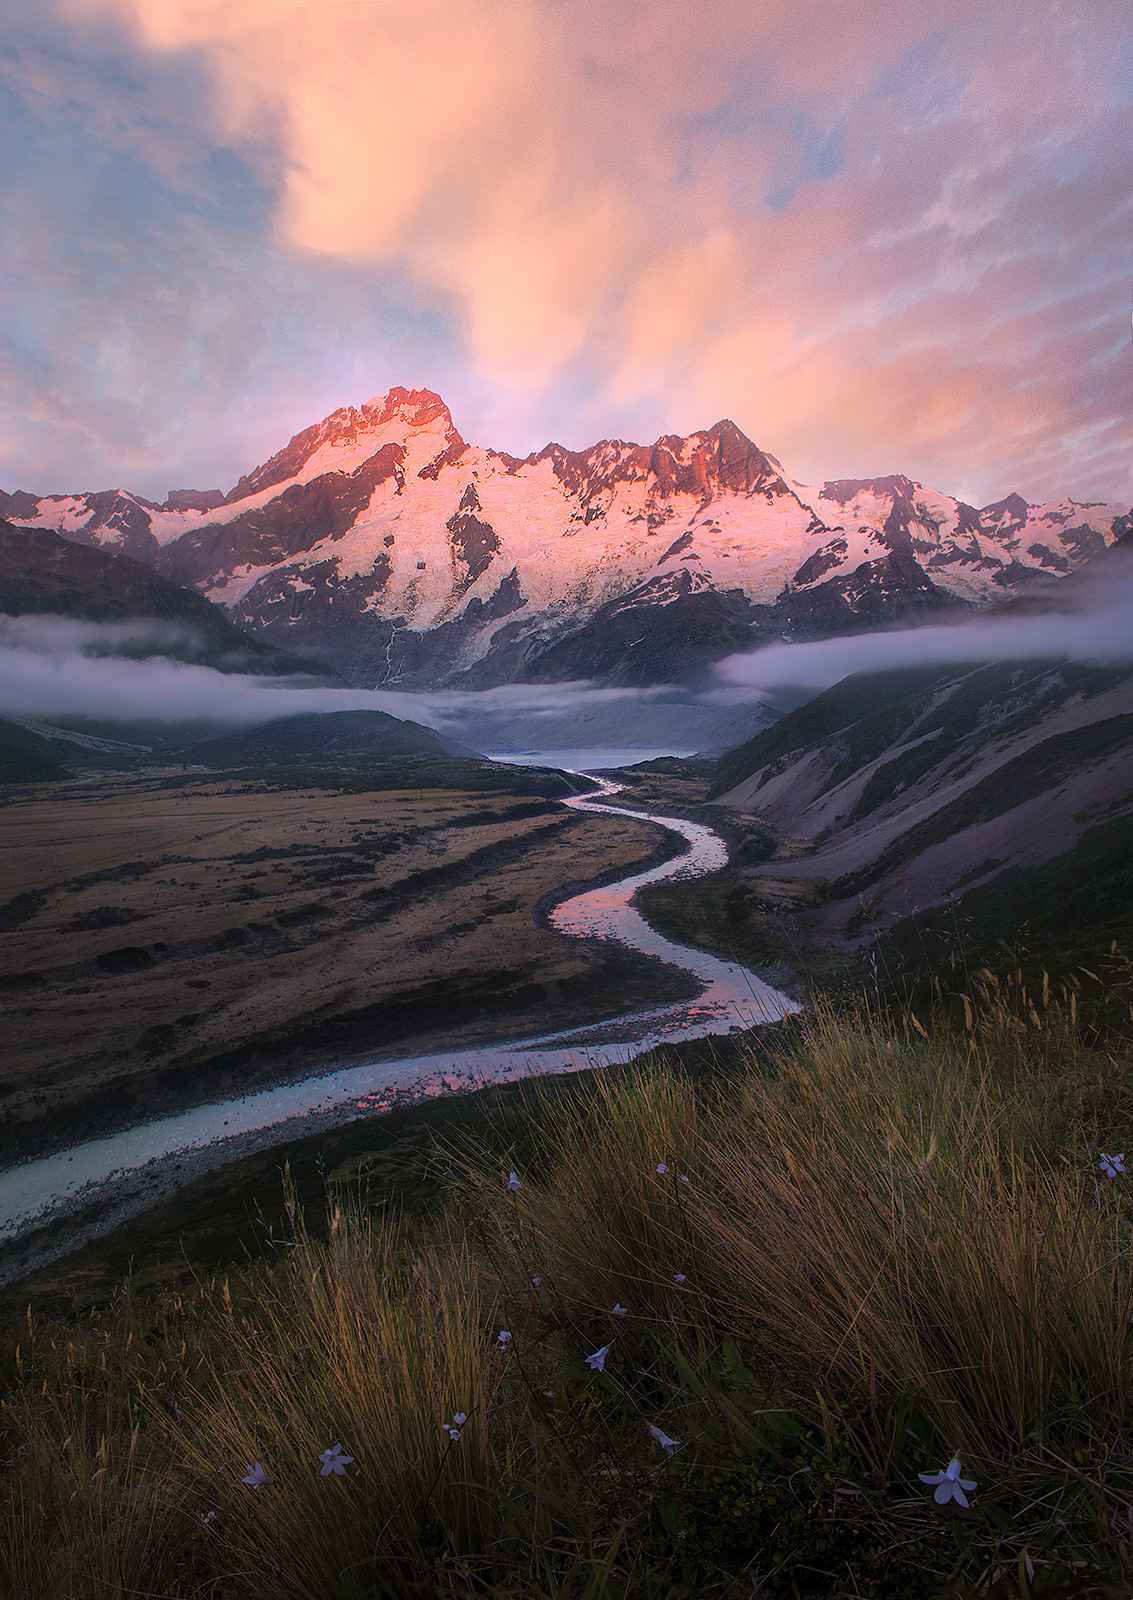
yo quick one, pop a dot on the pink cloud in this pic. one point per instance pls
(585, 185)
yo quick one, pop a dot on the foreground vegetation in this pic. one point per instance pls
(705, 1342)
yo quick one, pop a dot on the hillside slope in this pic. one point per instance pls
(327, 736)
(27, 757)
(42, 574)
(966, 804)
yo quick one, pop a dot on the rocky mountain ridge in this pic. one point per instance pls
(379, 540)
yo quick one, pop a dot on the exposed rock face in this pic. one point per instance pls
(383, 541)
(417, 411)
(193, 500)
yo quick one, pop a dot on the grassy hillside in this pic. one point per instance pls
(322, 737)
(25, 757)
(653, 1337)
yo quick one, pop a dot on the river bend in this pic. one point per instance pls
(731, 997)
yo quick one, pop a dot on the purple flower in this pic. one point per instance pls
(1111, 1165)
(683, 1178)
(597, 1361)
(505, 1337)
(256, 1477)
(678, 1277)
(535, 1282)
(453, 1433)
(619, 1311)
(460, 1419)
(662, 1168)
(513, 1184)
(667, 1444)
(949, 1484)
(333, 1460)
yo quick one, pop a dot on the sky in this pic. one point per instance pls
(880, 235)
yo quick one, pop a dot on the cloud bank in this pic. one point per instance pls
(1098, 629)
(881, 236)
(64, 668)
(53, 667)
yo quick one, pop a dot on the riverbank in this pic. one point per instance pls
(168, 947)
(214, 1208)
(729, 912)
(96, 1187)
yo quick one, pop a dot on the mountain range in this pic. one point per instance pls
(381, 544)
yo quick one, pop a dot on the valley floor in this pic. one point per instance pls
(170, 939)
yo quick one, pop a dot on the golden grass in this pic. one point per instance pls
(360, 1342)
(896, 1215)
(894, 1247)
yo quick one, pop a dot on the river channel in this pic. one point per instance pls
(152, 1159)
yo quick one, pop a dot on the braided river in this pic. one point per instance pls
(147, 1162)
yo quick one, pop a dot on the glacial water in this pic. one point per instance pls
(731, 997)
(584, 759)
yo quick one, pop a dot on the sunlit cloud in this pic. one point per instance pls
(880, 237)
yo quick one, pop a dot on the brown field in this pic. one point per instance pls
(162, 942)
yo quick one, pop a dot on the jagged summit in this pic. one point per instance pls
(381, 540)
(717, 459)
(350, 431)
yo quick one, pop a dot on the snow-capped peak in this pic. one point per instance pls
(416, 419)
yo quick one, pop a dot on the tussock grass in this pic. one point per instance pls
(905, 1218)
(885, 1245)
(360, 1341)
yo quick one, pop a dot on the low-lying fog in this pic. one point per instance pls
(1100, 632)
(53, 667)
